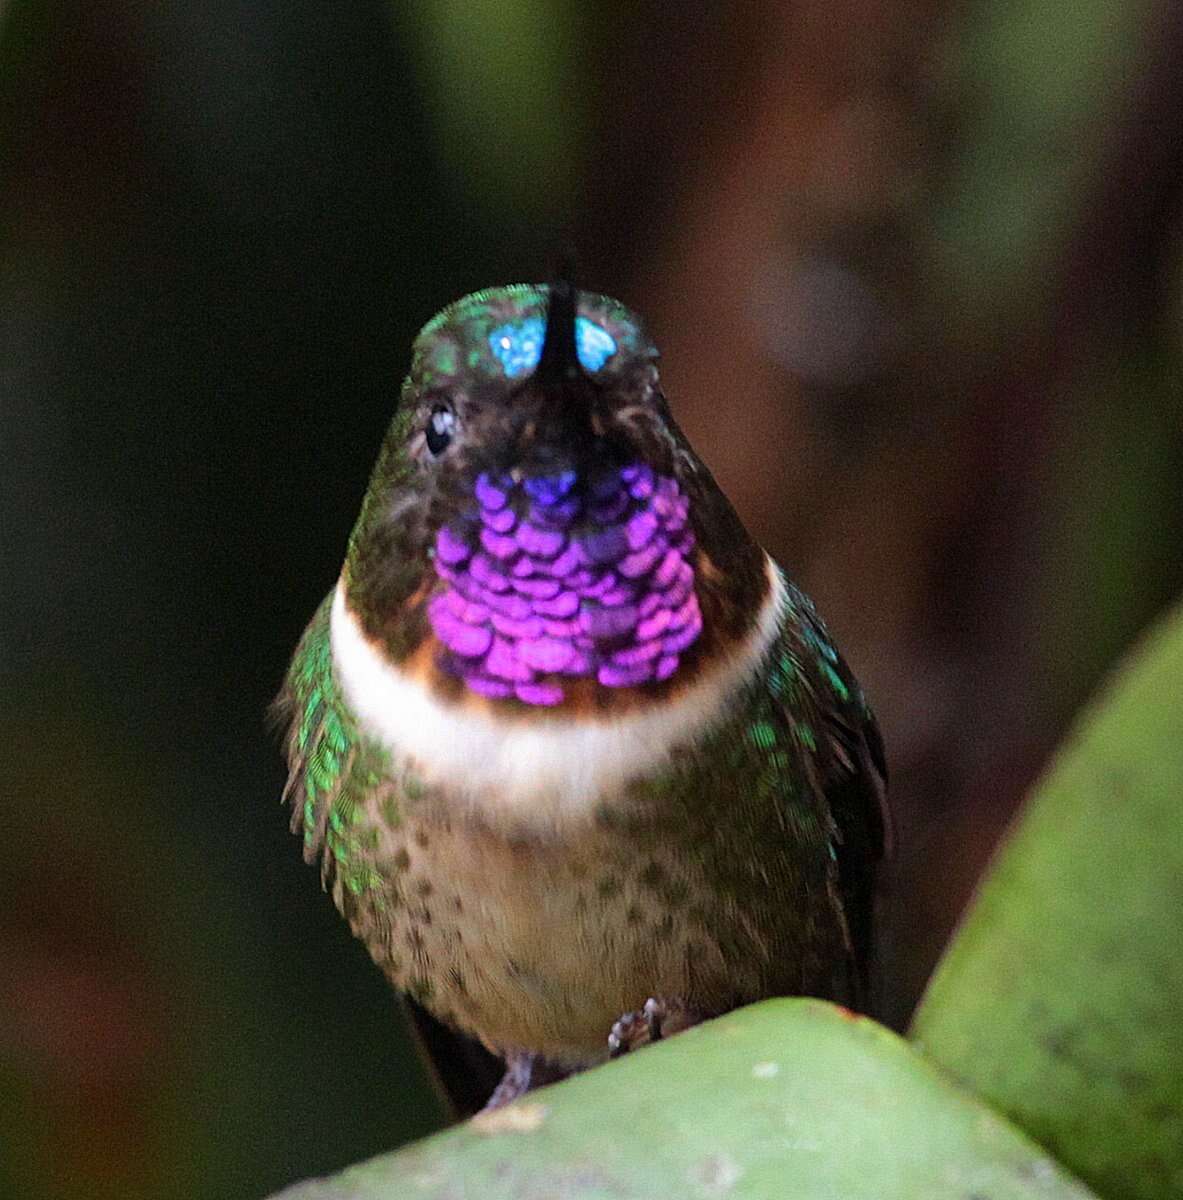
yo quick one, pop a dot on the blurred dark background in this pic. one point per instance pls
(915, 270)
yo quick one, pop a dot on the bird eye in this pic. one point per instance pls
(441, 425)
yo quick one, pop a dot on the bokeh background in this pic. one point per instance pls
(915, 269)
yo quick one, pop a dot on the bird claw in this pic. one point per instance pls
(658, 1018)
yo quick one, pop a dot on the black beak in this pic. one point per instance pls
(558, 365)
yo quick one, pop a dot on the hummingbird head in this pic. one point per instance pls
(533, 534)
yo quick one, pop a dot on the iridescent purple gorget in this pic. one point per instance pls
(551, 580)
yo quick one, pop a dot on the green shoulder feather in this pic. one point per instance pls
(840, 741)
(332, 769)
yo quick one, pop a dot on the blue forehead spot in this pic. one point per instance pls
(518, 346)
(595, 346)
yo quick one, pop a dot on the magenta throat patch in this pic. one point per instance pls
(551, 581)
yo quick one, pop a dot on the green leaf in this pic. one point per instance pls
(787, 1098)
(1061, 999)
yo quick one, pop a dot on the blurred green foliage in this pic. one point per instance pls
(1045, 87)
(506, 97)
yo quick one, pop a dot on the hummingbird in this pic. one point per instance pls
(580, 764)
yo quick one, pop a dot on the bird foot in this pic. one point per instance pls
(660, 1018)
(523, 1072)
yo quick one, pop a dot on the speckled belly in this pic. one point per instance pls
(540, 943)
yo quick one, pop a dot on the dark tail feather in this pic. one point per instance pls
(466, 1073)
